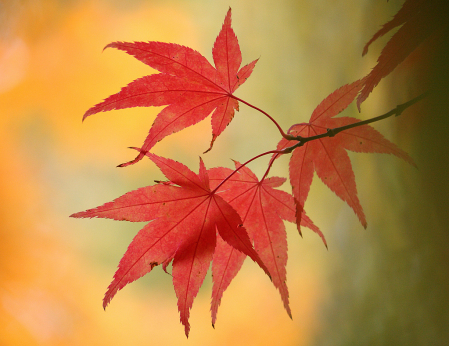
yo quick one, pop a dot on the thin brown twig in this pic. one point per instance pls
(332, 132)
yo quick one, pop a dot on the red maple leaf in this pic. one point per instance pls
(188, 83)
(262, 208)
(327, 156)
(418, 19)
(185, 215)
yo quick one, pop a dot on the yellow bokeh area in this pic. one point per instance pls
(54, 270)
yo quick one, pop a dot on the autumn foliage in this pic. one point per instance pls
(222, 215)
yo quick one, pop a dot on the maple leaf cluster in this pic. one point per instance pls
(223, 215)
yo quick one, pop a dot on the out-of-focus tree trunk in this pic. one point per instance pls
(392, 288)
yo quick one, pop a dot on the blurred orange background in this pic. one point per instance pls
(54, 270)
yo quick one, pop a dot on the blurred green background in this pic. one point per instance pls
(387, 285)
